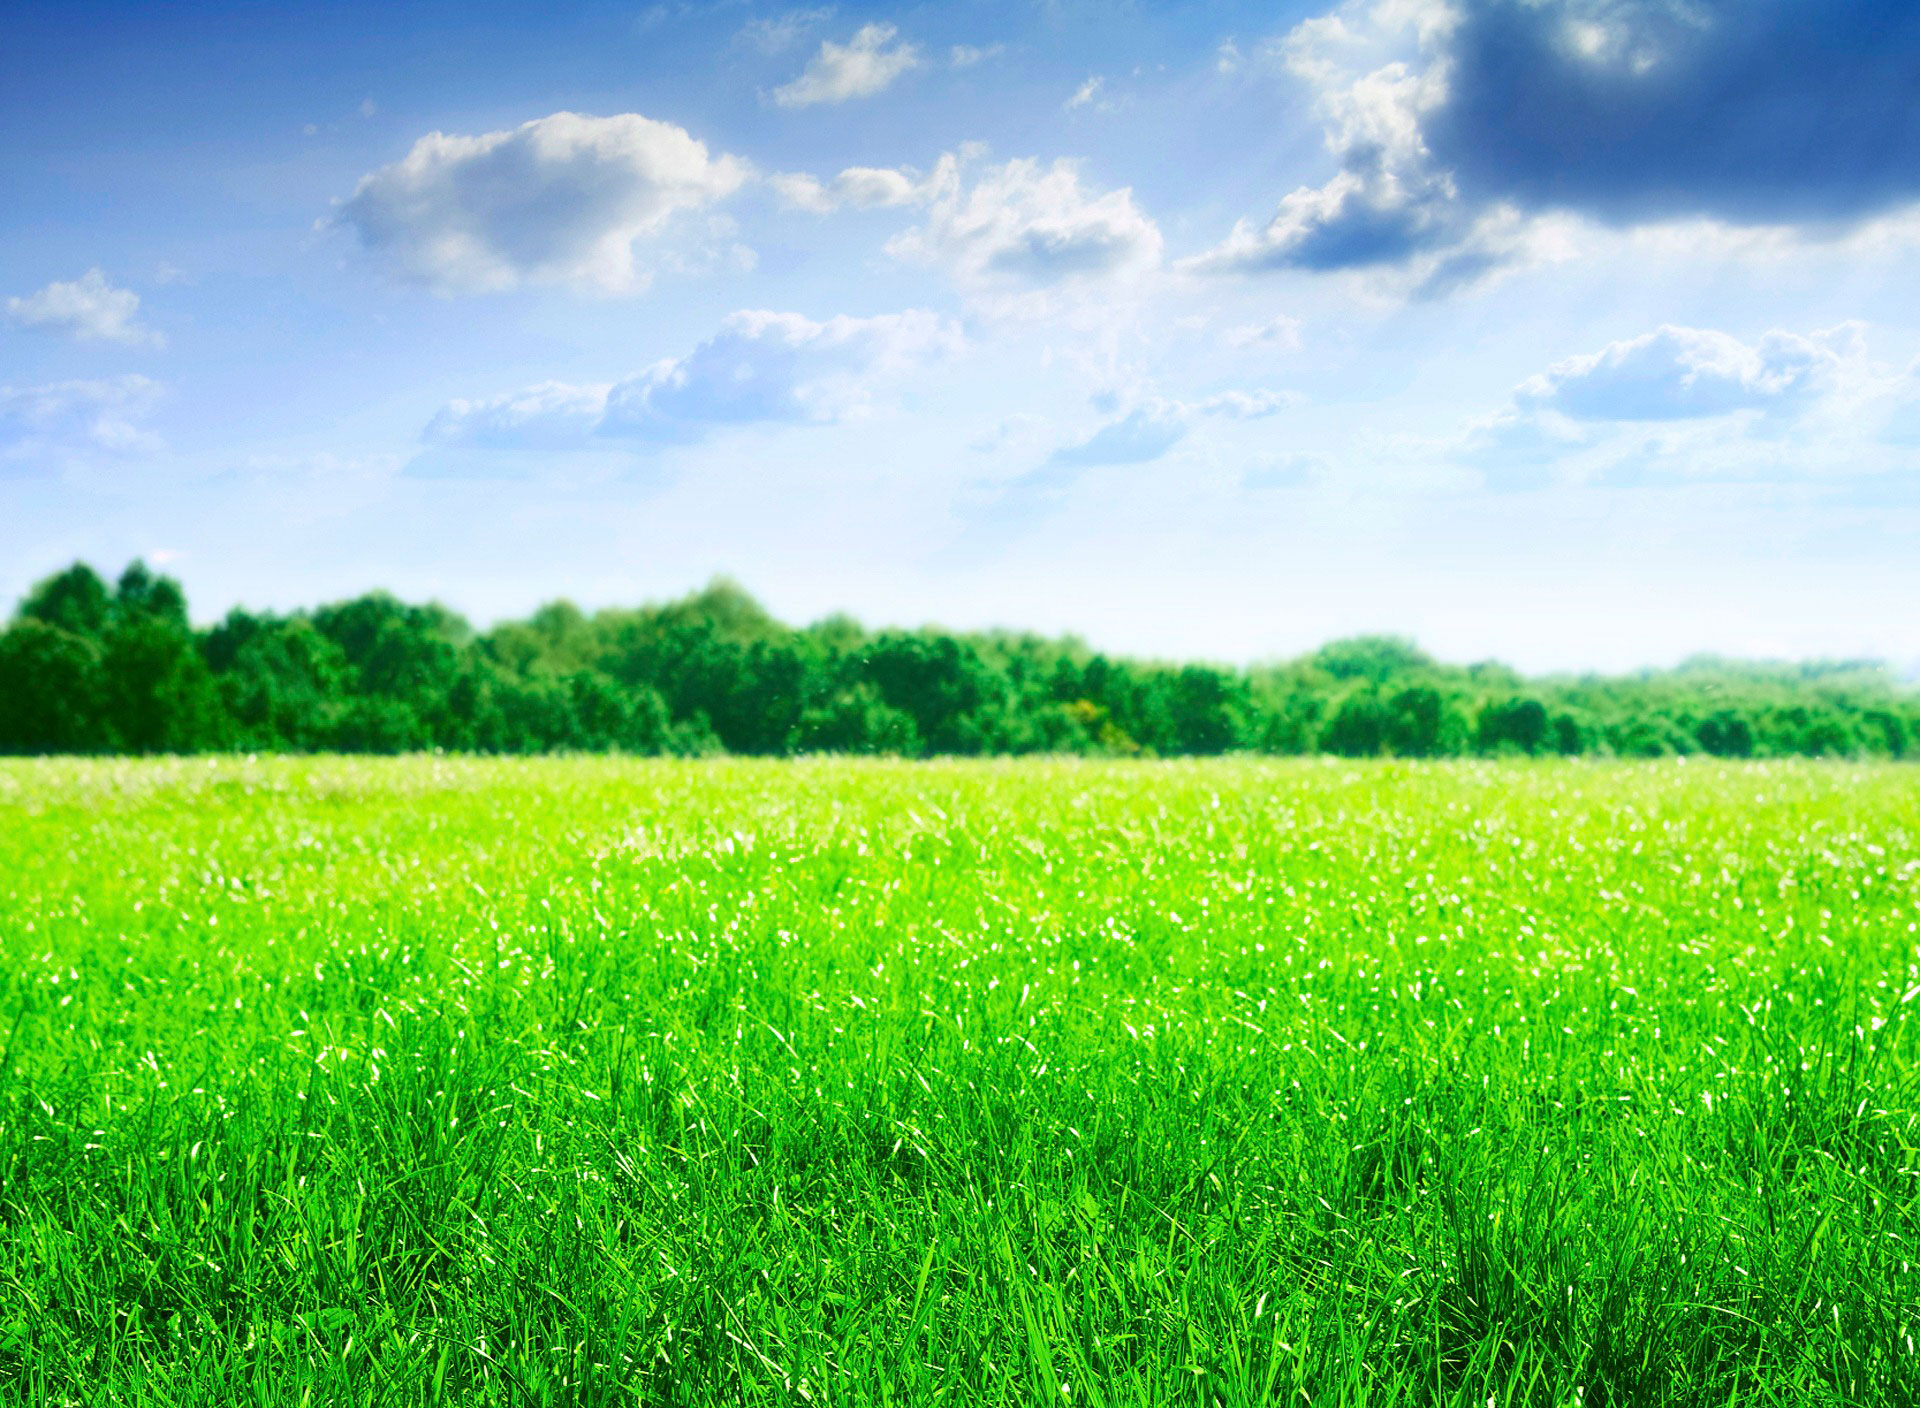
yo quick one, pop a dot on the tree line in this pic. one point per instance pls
(86, 667)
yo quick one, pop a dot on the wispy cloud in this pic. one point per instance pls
(759, 368)
(968, 55)
(65, 419)
(867, 64)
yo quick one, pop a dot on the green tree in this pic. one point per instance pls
(75, 600)
(857, 720)
(52, 691)
(159, 695)
(935, 680)
(1512, 726)
(1421, 722)
(1358, 728)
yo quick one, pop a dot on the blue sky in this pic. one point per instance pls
(1574, 332)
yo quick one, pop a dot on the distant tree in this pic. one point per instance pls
(159, 695)
(935, 680)
(88, 667)
(1358, 728)
(1512, 725)
(141, 595)
(600, 716)
(75, 600)
(1421, 722)
(857, 719)
(52, 691)
(1726, 734)
(281, 680)
(372, 723)
(1287, 709)
(1569, 734)
(1204, 705)
(1376, 659)
(1895, 734)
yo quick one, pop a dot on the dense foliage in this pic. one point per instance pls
(88, 668)
(823, 1083)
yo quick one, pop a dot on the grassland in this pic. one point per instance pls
(588, 1081)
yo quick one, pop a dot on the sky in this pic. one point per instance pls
(1574, 333)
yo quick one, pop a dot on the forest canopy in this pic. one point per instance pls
(88, 667)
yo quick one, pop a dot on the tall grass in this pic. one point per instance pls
(588, 1081)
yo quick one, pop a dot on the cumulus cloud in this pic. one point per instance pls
(1677, 373)
(1025, 224)
(68, 418)
(1012, 228)
(1684, 402)
(869, 63)
(760, 368)
(561, 199)
(1455, 128)
(1387, 202)
(87, 309)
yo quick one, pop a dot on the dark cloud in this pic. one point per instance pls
(1454, 126)
(1787, 111)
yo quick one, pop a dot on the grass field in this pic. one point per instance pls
(588, 1081)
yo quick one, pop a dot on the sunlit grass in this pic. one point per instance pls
(590, 1081)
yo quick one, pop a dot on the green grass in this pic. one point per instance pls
(588, 1081)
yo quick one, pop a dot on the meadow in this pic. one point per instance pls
(602, 1081)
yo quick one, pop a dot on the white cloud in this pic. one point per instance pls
(1691, 403)
(87, 309)
(800, 191)
(69, 418)
(1379, 72)
(760, 368)
(1020, 226)
(867, 64)
(1387, 207)
(862, 187)
(1024, 224)
(561, 199)
(1678, 373)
